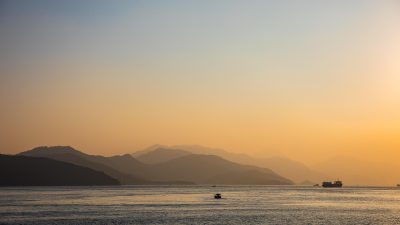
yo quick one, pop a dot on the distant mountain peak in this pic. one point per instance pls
(50, 150)
(123, 157)
(66, 147)
(127, 156)
(161, 154)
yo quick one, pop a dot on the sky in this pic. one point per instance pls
(304, 79)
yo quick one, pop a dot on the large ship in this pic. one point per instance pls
(337, 183)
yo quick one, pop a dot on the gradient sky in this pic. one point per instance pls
(305, 79)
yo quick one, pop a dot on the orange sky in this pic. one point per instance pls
(308, 81)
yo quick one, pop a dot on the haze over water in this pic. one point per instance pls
(196, 205)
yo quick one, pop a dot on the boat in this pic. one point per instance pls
(214, 186)
(335, 184)
(217, 196)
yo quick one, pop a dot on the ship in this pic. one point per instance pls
(335, 184)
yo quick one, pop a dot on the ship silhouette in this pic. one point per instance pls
(336, 184)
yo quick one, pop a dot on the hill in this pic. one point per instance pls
(53, 150)
(160, 155)
(203, 169)
(175, 166)
(32, 171)
(122, 168)
(294, 170)
(125, 168)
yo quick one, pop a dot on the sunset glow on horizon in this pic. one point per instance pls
(304, 80)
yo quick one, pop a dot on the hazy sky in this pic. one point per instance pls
(306, 79)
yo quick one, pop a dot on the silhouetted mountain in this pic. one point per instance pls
(203, 168)
(45, 150)
(291, 169)
(160, 155)
(149, 149)
(198, 149)
(125, 168)
(32, 171)
(123, 178)
(124, 163)
(294, 170)
(119, 167)
(184, 169)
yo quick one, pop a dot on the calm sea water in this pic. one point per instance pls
(196, 205)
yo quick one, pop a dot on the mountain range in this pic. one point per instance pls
(177, 167)
(291, 169)
(183, 164)
(112, 166)
(352, 171)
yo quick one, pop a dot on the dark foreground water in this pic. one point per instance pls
(196, 205)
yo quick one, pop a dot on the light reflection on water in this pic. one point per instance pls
(196, 205)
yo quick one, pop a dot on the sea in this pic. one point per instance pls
(196, 205)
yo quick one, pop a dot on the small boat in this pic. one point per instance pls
(335, 184)
(316, 185)
(218, 196)
(214, 186)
